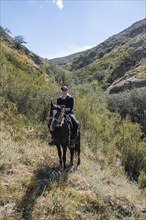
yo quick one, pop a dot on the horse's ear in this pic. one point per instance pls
(51, 104)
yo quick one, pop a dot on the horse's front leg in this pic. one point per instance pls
(71, 156)
(59, 154)
(64, 156)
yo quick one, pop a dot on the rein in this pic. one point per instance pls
(59, 120)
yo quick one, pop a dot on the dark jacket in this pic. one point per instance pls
(68, 102)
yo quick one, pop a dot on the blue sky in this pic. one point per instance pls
(54, 28)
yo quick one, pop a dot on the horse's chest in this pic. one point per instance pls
(60, 134)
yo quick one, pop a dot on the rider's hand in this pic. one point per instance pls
(67, 109)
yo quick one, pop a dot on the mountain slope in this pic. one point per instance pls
(25, 59)
(8, 44)
(111, 43)
(121, 58)
(66, 59)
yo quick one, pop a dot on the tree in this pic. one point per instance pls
(19, 40)
(7, 30)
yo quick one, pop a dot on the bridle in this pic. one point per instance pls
(59, 121)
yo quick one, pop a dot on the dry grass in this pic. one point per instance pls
(32, 186)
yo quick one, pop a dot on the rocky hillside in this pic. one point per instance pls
(118, 63)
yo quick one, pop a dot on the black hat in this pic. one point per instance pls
(64, 88)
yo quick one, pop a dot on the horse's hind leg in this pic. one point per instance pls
(78, 149)
(71, 156)
(59, 154)
(79, 161)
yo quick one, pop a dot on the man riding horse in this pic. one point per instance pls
(67, 102)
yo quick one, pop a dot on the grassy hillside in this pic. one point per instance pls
(26, 60)
(34, 187)
(110, 182)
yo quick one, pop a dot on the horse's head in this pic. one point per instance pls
(56, 116)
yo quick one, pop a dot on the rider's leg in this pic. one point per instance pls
(75, 126)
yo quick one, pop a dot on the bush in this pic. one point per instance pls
(19, 41)
(132, 103)
(109, 132)
(134, 161)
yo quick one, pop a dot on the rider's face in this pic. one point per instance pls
(64, 91)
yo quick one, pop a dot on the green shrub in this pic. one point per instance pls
(134, 160)
(132, 103)
(31, 93)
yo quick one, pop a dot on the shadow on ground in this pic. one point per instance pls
(43, 176)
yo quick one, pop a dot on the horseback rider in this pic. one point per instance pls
(67, 101)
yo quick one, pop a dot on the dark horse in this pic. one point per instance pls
(60, 129)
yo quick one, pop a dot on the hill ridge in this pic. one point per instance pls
(130, 29)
